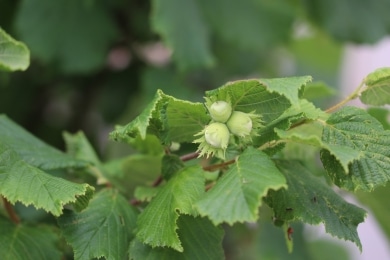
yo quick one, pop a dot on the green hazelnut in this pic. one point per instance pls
(220, 111)
(240, 124)
(217, 135)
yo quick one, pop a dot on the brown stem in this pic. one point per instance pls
(189, 156)
(215, 167)
(11, 212)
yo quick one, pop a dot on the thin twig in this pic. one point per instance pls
(215, 167)
(353, 95)
(11, 212)
(189, 156)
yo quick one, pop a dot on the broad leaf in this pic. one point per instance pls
(138, 169)
(104, 229)
(199, 237)
(148, 121)
(23, 242)
(310, 200)
(355, 129)
(251, 95)
(318, 90)
(14, 55)
(180, 24)
(236, 197)
(171, 119)
(367, 23)
(170, 165)
(310, 134)
(32, 150)
(157, 223)
(20, 181)
(72, 33)
(183, 120)
(377, 91)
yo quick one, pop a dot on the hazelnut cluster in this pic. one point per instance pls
(216, 136)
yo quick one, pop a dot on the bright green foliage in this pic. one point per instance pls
(237, 195)
(156, 225)
(377, 92)
(20, 181)
(310, 200)
(104, 229)
(367, 23)
(32, 150)
(21, 242)
(199, 237)
(175, 20)
(356, 129)
(71, 32)
(14, 55)
(171, 119)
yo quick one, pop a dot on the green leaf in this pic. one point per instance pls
(104, 229)
(71, 33)
(382, 115)
(157, 223)
(183, 120)
(79, 147)
(377, 91)
(317, 90)
(200, 240)
(183, 29)
(146, 193)
(310, 134)
(367, 23)
(292, 87)
(251, 95)
(170, 165)
(353, 128)
(22, 182)
(171, 119)
(148, 121)
(236, 197)
(32, 150)
(310, 200)
(250, 25)
(138, 169)
(14, 55)
(23, 242)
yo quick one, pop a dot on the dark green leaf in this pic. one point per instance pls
(76, 34)
(32, 150)
(170, 165)
(236, 197)
(360, 133)
(181, 25)
(22, 182)
(377, 91)
(199, 237)
(14, 55)
(310, 200)
(23, 242)
(104, 229)
(157, 223)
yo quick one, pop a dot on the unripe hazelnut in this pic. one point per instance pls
(240, 124)
(217, 135)
(220, 111)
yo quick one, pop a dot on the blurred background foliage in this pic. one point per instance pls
(97, 63)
